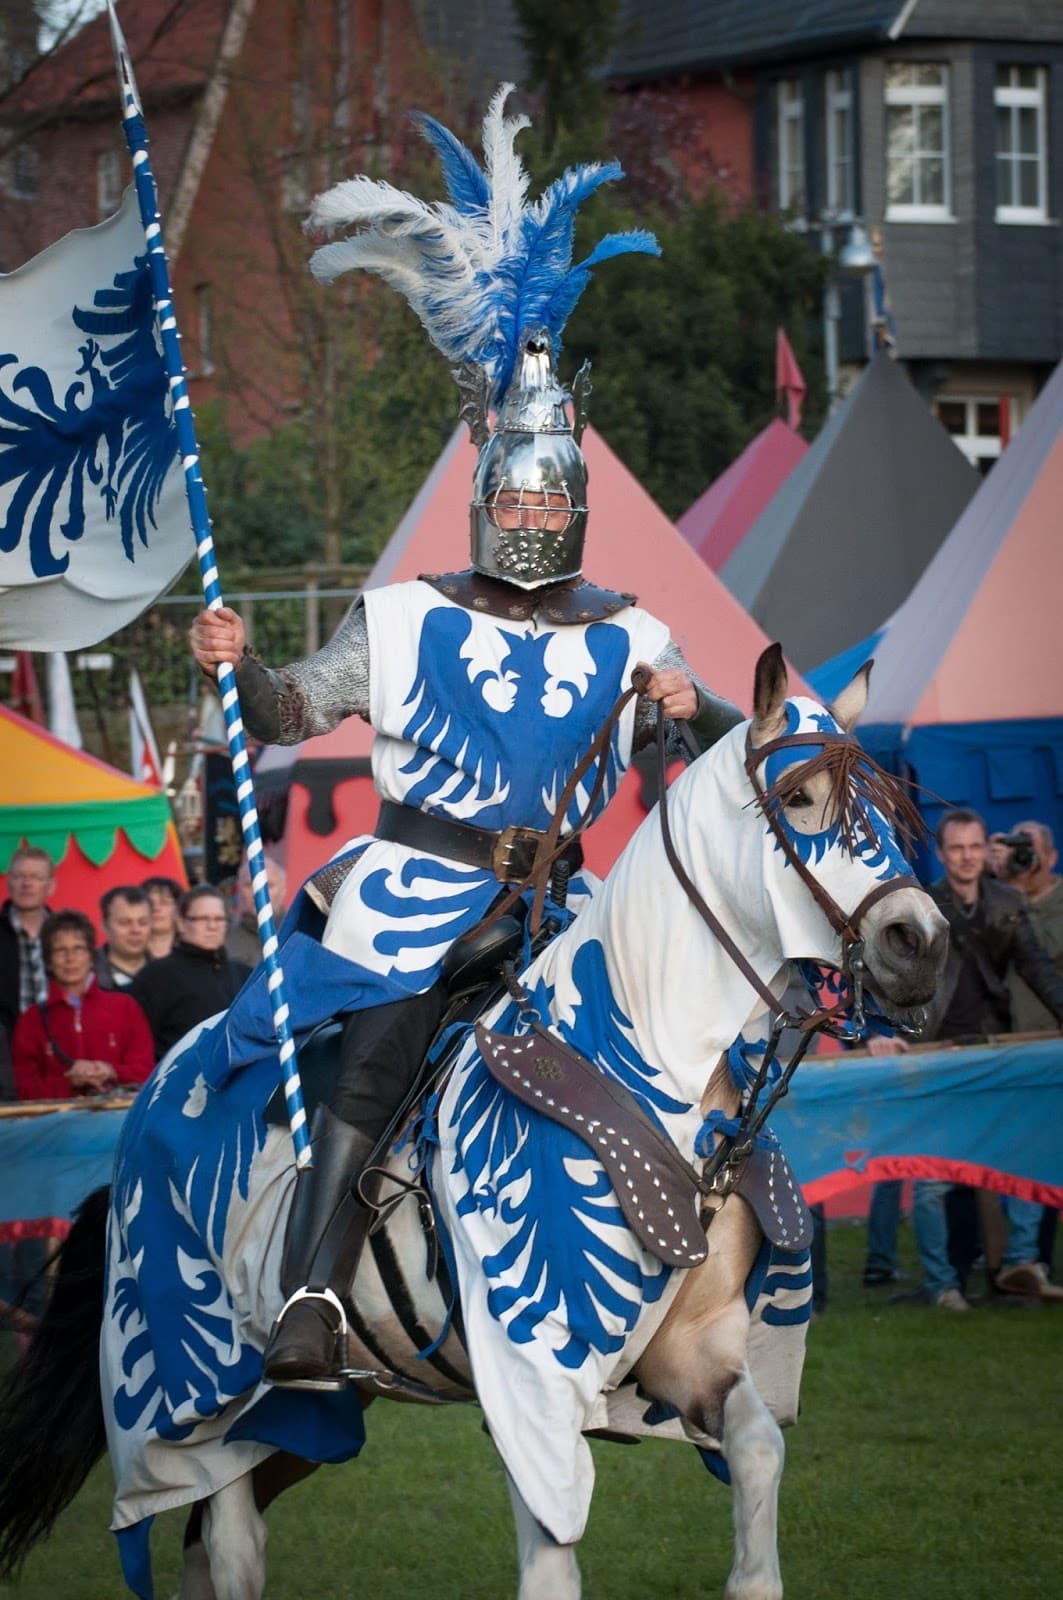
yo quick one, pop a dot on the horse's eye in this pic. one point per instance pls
(799, 800)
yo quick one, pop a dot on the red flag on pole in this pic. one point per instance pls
(143, 751)
(788, 379)
(25, 692)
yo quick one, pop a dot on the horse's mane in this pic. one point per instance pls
(859, 788)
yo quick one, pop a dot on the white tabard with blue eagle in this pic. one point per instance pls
(481, 719)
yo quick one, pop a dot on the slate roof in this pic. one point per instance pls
(659, 38)
(480, 35)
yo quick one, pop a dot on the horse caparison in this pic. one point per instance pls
(697, 1359)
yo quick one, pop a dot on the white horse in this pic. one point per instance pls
(644, 986)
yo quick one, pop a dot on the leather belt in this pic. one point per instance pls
(509, 853)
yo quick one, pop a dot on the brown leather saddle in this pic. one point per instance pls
(660, 1194)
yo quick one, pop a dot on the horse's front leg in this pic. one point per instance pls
(697, 1362)
(753, 1448)
(548, 1570)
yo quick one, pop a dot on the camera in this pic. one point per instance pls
(1022, 854)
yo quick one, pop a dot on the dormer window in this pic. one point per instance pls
(1021, 145)
(918, 179)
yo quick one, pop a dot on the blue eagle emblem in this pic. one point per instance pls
(112, 432)
(463, 726)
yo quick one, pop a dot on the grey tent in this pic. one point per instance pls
(853, 527)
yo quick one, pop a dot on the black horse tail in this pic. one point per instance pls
(51, 1412)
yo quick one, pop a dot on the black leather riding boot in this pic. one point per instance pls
(327, 1227)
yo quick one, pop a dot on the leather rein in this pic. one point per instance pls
(724, 1166)
(845, 924)
(553, 845)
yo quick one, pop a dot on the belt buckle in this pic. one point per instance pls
(508, 843)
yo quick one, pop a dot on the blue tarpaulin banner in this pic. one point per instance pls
(50, 1163)
(989, 1116)
(984, 1116)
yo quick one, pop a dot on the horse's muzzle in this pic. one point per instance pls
(905, 949)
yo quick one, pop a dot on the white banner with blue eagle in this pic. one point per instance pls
(94, 521)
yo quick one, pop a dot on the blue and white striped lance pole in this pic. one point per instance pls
(137, 140)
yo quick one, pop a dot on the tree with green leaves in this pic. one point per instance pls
(684, 347)
(565, 45)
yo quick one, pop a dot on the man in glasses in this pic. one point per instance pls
(197, 979)
(23, 980)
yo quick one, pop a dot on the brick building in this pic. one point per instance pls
(252, 106)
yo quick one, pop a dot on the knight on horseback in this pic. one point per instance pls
(485, 687)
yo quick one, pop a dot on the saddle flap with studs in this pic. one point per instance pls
(657, 1190)
(768, 1186)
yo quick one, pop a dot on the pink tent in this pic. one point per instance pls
(631, 544)
(718, 521)
(979, 638)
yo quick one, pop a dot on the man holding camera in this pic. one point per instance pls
(1026, 858)
(991, 938)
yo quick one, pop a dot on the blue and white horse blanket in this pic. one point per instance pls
(558, 1298)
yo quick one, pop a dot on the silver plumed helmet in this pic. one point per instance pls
(491, 276)
(529, 495)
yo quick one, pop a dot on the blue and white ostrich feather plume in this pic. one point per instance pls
(484, 266)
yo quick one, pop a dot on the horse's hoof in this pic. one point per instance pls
(753, 1589)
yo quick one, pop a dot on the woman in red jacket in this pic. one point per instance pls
(83, 1039)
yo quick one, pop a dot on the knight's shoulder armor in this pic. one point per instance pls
(574, 601)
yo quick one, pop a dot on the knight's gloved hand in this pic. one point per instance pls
(217, 636)
(674, 688)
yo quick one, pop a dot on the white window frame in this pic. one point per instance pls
(1013, 97)
(975, 446)
(912, 95)
(838, 98)
(20, 172)
(204, 312)
(108, 183)
(790, 111)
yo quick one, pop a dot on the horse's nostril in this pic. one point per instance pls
(903, 940)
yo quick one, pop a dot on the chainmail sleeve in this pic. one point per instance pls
(713, 718)
(312, 696)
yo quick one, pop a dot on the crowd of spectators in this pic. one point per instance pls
(1004, 904)
(78, 1017)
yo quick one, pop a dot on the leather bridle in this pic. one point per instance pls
(724, 1166)
(845, 924)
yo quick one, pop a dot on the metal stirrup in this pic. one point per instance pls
(326, 1294)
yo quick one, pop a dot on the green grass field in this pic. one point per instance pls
(926, 1466)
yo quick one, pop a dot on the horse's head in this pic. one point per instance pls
(832, 819)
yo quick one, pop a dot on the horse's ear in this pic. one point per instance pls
(849, 705)
(770, 686)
